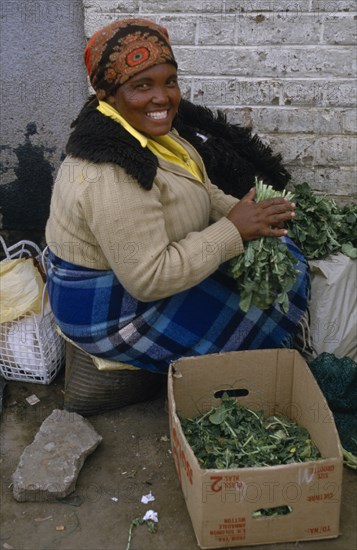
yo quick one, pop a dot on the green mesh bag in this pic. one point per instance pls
(337, 378)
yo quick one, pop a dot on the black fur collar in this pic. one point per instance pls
(232, 156)
(98, 138)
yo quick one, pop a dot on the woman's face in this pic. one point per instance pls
(149, 100)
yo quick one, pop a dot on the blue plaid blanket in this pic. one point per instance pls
(94, 310)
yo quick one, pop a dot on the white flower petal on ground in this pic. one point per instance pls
(147, 498)
(150, 514)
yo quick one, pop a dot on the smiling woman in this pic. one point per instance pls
(137, 267)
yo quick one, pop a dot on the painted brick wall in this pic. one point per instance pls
(285, 68)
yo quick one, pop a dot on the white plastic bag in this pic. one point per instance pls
(333, 306)
(24, 341)
(30, 347)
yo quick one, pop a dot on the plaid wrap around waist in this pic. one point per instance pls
(94, 310)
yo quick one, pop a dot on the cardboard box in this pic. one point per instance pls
(221, 502)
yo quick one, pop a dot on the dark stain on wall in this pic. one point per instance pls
(25, 201)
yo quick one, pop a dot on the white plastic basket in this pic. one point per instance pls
(31, 350)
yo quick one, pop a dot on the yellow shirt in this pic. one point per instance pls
(162, 146)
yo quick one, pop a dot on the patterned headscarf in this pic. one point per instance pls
(122, 49)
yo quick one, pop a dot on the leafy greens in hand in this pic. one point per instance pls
(267, 270)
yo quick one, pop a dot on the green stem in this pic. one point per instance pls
(230, 429)
(254, 414)
(249, 439)
(205, 415)
(134, 523)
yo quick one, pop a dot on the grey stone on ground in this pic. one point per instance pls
(49, 467)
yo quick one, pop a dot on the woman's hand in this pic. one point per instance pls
(261, 219)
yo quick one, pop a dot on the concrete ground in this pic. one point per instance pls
(133, 459)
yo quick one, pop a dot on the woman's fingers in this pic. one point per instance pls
(280, 217)
(277, 205)
(250, 196)
(276, 212)
(274, 232)
(252, 193)
(262, 219)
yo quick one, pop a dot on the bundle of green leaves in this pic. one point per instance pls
(321, 227)
(234, 436)
(267, 270)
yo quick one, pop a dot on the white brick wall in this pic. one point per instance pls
(285, 68)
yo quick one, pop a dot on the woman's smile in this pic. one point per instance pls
(158, 115)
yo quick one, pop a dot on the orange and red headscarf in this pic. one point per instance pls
(122, 49)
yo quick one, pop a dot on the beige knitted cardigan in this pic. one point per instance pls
(157, 242)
